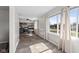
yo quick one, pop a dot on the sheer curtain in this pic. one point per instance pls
(64, 42)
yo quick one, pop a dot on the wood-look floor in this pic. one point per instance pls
(35, 44)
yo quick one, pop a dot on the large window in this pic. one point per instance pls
(74, 21)
(55, 23)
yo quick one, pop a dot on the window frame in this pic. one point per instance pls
(71, 8)
(57, 23)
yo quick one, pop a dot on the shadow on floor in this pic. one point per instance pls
(35, 44)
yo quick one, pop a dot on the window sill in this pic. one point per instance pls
(74, 38)
(54, 33)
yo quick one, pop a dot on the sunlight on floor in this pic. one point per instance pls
(35, 44)
(39, 47)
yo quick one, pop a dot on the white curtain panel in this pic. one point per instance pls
(62, 33)
(67, 31)
(64, 42)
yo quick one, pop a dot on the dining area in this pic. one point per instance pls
(27, 27)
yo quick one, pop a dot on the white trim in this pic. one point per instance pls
(57, 23)
(71, 8)
(74, 37)
(77, 28)
(54, 33)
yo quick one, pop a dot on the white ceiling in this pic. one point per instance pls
(33, 11)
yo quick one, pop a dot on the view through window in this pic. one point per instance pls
(54, 22)
(74, 21)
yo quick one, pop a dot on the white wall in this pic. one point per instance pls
(52, 37)
(44, 26)
(42, 30)
(4, 25)
(14, 29)
(36, 27)
(74, 45)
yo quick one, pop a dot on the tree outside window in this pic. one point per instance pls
(74, 22)
(55, 23)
